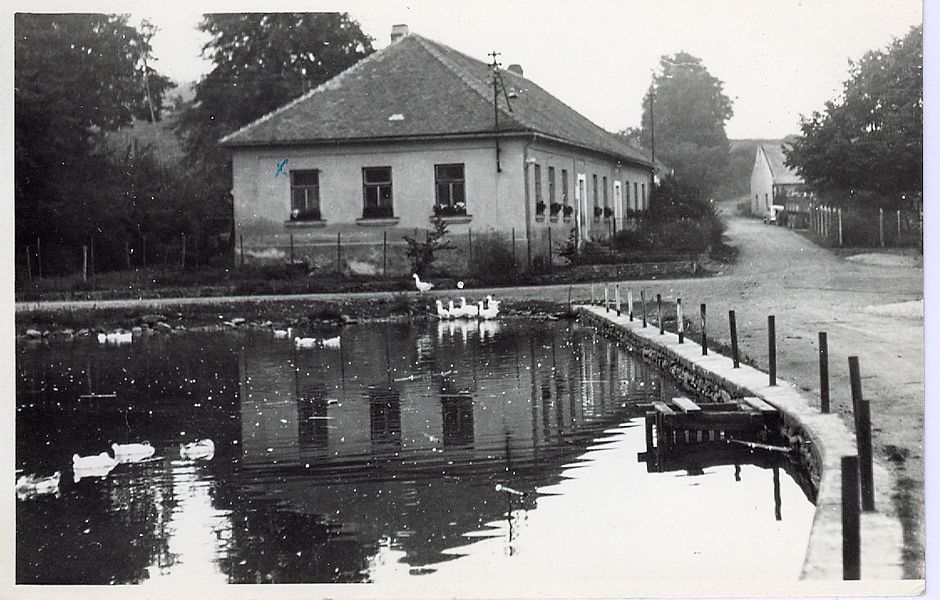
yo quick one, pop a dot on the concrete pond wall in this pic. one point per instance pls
(819, 440)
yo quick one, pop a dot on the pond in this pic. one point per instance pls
(444, 452)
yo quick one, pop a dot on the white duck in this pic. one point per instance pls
(422, 286)
(332, 343)
(30, 486)
(131, 453)
(281, 334)
(201, 450)
(98, 465)
(492, 303)
(468, 311)
(307, 342)
(442, 312)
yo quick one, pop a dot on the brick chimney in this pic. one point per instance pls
(398, 32)
(517, 69)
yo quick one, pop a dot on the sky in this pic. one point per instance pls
(778, 59)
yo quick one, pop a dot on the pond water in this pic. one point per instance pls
(439, 452)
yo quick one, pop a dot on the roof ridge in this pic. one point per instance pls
(770, 164)
(329, 83)
(429, 45)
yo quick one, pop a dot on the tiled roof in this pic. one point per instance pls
(417, 87)
(779, 170)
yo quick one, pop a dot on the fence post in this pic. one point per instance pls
(823, 372)
(839, 214)
(862, 436)
(617, 298)
(704, 337)
(384, 253)
(851, 520)
(339, 252)
(513, 248)
(898, 241)
(680, 324)
(84, 263)
(881, 227)
(659, 312)
(606, 300)
(734, 339)
(772, 349)
(593, 296)
(630, 303)
(643, 302)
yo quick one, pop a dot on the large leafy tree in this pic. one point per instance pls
(260, 62)
(689, 111)
(870, 139)
(75, 77)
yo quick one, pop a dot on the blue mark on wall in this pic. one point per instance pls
(280, 168)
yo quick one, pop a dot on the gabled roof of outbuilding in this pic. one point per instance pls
(779, 170)
(419, 88)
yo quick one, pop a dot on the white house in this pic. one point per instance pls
(771, 179)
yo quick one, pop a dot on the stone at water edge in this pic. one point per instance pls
(33, 333)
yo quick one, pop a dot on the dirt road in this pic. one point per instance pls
(808, 289)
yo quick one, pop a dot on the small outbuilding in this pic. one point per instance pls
(772, 181)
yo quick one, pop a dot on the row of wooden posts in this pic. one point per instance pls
(827, 222)
(857, 469)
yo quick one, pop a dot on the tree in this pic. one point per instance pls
(75, 77)
(261, 61)
(871, 139)
(689, 111)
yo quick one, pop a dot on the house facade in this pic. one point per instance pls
(416, 131)
(772, 181)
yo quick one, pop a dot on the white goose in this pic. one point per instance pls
(98, 465)
(332, 343)
(131, 453)
(442, 312)
(307, 342)
(281, 334)
(422, 286)
(30, 486)
(468, 311)
(490, 302)
(490, 312)
(201, 450)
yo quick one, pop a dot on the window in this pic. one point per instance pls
(538, 184)
(449, 190)
(305, 195)
(551, 185)
(636, 195)
(377, 192)
(564, 186)
(598, 211)
(605, 191)
(645, 205)
(626, 196)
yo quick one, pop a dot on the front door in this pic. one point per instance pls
(618, 204)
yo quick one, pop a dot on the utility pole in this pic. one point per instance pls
(652, 126)
(495, 66)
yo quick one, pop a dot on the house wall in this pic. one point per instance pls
(761, 185)
(496, 201)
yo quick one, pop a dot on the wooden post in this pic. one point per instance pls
(680, 324)
(643, 302)
(593, 296)
(839, 214)
(704, 337)
(778, 515)
(617, 298)
(630, 303)
(881, 227)
(734, 339)
(84, 263)
(339, 252)
(385, 253)
(292, 249)
(659, 312)
(772, 349)
(241, 243)
(862, 436)
(898, 241)
(851, 521)
(606, 300)
(514, 248)
(823, 372)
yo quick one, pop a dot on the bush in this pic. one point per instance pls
(492, 259)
